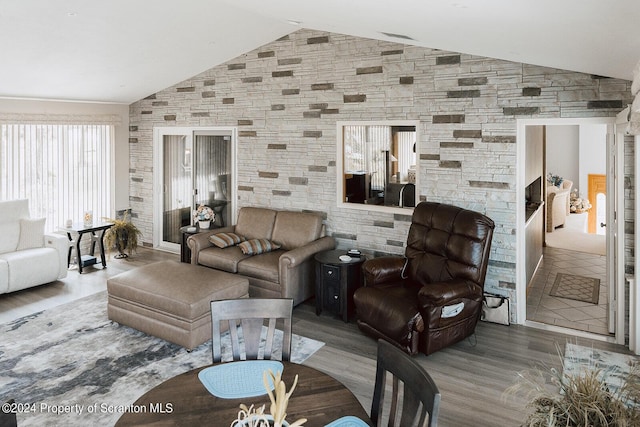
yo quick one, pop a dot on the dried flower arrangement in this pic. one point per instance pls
(255, 416)
(585, 399)
(554, 179)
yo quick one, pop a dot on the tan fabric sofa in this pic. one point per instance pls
(287, 272)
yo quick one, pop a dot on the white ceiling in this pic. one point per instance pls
(124, 50)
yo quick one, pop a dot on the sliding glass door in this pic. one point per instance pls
(192, 167)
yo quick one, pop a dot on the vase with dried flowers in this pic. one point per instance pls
(255, 417)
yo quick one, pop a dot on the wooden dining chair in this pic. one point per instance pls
(253, 315)
(414, 393)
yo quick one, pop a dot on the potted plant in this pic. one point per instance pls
(123, 236)
(577, 400)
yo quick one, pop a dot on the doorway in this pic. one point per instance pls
(594, 317)
(192, 167)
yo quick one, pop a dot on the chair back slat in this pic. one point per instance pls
(235, 339)
(249, 315)
(411, 410)
(415, 398)
(393, 410)
(271, 330)
(251, 331)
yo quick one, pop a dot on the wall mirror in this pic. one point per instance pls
(377, 165)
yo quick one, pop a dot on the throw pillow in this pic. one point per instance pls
(258, 246)
(223, 240)
(31, 233)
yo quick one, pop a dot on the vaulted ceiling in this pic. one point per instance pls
(123, 50)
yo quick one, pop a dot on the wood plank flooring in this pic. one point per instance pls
(472, 377)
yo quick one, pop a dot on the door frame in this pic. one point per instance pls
(190, 132)
(618, 169)
(622, 125)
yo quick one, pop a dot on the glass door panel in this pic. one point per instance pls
(212, 175)
(192, 166)
(177, 190)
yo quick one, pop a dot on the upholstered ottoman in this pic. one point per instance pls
(171, 300)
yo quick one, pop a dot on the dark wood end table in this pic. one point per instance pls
(336, 281)
(186, 231)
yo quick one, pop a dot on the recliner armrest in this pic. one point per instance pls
(443, 293)
(378, 271)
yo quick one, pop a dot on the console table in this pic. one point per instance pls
(81, 230)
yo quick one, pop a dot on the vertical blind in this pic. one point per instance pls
(365, 150)
(213, 160)
(405, 154)
(64, 170)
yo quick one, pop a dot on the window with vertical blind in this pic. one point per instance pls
(377, 166)
(63, 169)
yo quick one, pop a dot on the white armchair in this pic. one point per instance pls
(558, 204)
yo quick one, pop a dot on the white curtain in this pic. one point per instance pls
(63, 169)
(406, 156)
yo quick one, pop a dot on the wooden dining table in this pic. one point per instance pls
(184, 401)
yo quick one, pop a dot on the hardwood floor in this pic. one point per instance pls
(471, 378)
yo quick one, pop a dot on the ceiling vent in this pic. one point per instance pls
(396, 36)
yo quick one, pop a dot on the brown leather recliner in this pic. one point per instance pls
(432, 297)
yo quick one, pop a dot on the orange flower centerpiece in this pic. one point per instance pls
(255, 417)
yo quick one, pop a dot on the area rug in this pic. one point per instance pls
(70, 360)
(576, 287)
(614, 367)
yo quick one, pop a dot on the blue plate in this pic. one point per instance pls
(235, 380)
(348, 421)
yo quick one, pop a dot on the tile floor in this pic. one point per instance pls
(583, 316)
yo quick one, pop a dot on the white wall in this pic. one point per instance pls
(121, 161)
(593, 154)
(563, 151)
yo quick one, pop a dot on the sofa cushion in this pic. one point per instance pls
(22, 273)
(223, 240)
(10, 213)
(257, 246)
(226, 259)
(255, 223)
(294, 229)
(31, 233)
(263, 266)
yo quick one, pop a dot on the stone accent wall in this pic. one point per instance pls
(286, 97)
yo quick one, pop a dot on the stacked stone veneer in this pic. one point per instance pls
(286, 97)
